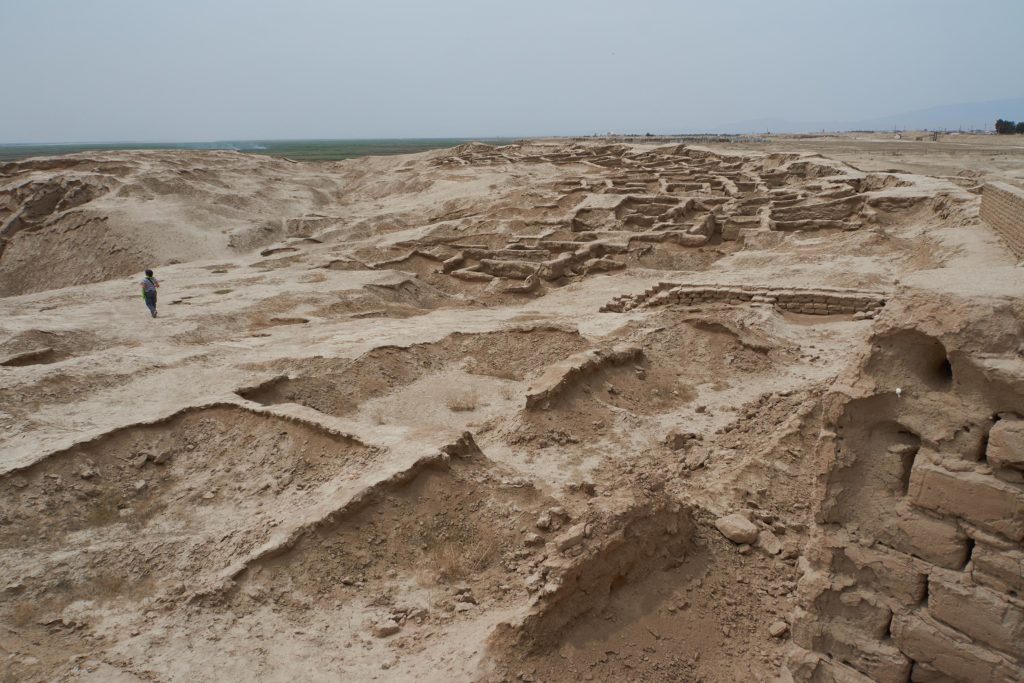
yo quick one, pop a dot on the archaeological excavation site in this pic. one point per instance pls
(558, 410)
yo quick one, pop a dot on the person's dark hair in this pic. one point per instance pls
(149, 273)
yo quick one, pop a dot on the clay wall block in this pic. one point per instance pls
(522, 254)
(981, 613)
(453, 263)
(686, 239)
(999, 568)
(471, 275)
(943, 649)
(922, 673)
(979, 498)
(1006, 444)
(828, 671)
(880, 661)
(892, 574)
(856, 608)
(512, 269)
(936, 541)
(812, 667)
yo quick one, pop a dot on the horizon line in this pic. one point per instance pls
(490, 137)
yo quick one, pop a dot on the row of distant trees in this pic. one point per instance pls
(1009, 127)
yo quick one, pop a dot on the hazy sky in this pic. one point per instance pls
(179, 70)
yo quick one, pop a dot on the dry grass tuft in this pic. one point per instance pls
(462, 400)
(452, 561)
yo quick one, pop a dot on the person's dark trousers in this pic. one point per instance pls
(150, 302)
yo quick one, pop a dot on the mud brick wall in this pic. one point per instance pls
(797, 301)
(919, 573)
(810, 302)
(888, 615)
(1002, 207)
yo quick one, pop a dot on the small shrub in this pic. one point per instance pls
(455, 561)
(462, 401)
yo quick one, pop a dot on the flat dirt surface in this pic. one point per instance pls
(470, 414)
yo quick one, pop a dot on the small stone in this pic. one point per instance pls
(533, 540)
(386, 628)
(677, 440)
(140, 485)
(778, 629)
(573, 536)
(464, 607)
(208, 495)
(543, 521)
(769, 542)
(737, 528)
(695, 460)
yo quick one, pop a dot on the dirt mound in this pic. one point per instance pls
(155, 509)
(341, 387)
(72, 221)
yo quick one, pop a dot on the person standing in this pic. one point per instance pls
(149, 286)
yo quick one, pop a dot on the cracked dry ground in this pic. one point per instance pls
(531, 413)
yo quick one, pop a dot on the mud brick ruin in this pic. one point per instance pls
(547, 411)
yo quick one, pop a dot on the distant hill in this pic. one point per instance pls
(969, 116)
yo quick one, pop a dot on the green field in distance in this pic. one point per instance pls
(299, 150)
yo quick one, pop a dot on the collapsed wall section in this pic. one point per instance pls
(918, 574)
(1002, 208)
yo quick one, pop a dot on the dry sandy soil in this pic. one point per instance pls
(542, 412)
